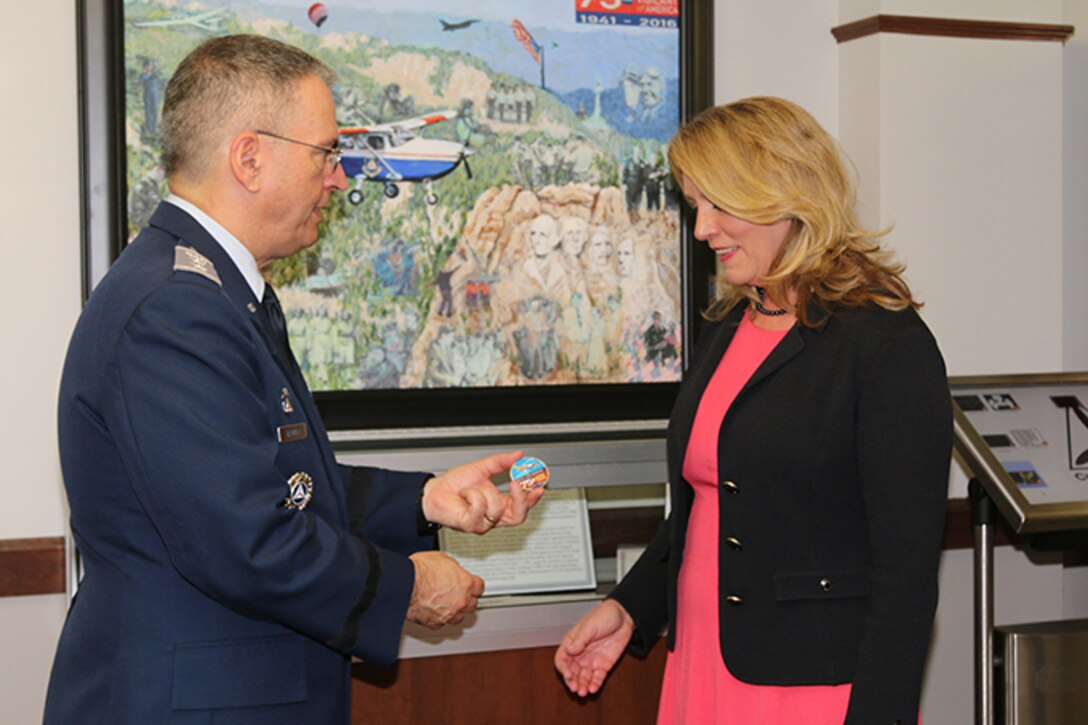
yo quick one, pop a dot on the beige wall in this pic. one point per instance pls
(962, 152)
(39, 280)
(778, 48)
(39, 301)
(1075, 187)
(1019, 213)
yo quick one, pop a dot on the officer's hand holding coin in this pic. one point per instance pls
(464, 498)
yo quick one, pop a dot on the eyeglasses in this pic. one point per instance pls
(333, 155)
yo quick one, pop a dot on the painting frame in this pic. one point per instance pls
(569, 410)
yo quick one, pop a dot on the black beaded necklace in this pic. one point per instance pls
(763, 310)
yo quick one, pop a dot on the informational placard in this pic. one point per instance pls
(552, 551)
(1025, 439)
(1039, 434)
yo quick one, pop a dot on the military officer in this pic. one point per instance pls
(232, 565)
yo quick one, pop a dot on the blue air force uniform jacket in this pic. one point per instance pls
(205, 597)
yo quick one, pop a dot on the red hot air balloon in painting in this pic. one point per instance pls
(318, 14)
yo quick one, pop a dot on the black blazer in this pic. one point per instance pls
(834, 462)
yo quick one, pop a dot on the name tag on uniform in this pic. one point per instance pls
(291, 433)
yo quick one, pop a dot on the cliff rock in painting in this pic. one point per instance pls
(557, 285)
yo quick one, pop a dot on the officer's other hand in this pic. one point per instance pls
(444, 592)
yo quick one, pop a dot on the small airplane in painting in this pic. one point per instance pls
(449, 27)
(393, 152)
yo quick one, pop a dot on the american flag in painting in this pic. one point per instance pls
(524, 37)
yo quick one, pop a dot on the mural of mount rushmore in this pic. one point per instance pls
(550, 254)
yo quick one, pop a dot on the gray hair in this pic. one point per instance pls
(225, 86)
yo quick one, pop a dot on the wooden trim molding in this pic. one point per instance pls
(912, 25)
(36, 566)
(31, 566)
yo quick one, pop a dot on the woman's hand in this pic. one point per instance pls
(593, 645)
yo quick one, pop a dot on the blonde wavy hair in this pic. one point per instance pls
(766, 159)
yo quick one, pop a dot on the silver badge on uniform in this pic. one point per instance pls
(300, 489)
(187, 259)
(285, 401)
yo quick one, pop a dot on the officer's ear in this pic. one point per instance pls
(247, 159)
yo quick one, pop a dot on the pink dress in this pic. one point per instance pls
(698, 687)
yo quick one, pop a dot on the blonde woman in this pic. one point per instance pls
(808, 455)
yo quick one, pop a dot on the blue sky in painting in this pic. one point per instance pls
(577, 56)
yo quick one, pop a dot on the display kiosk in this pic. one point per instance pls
(1024, 441)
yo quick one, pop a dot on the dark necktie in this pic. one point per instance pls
(271, 304)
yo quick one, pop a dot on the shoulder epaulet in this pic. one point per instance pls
(187, 259)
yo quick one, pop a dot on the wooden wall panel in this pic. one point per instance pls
(948, 27)
(513, 686)
(31, 566)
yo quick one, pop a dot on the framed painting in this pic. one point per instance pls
(511, 248)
